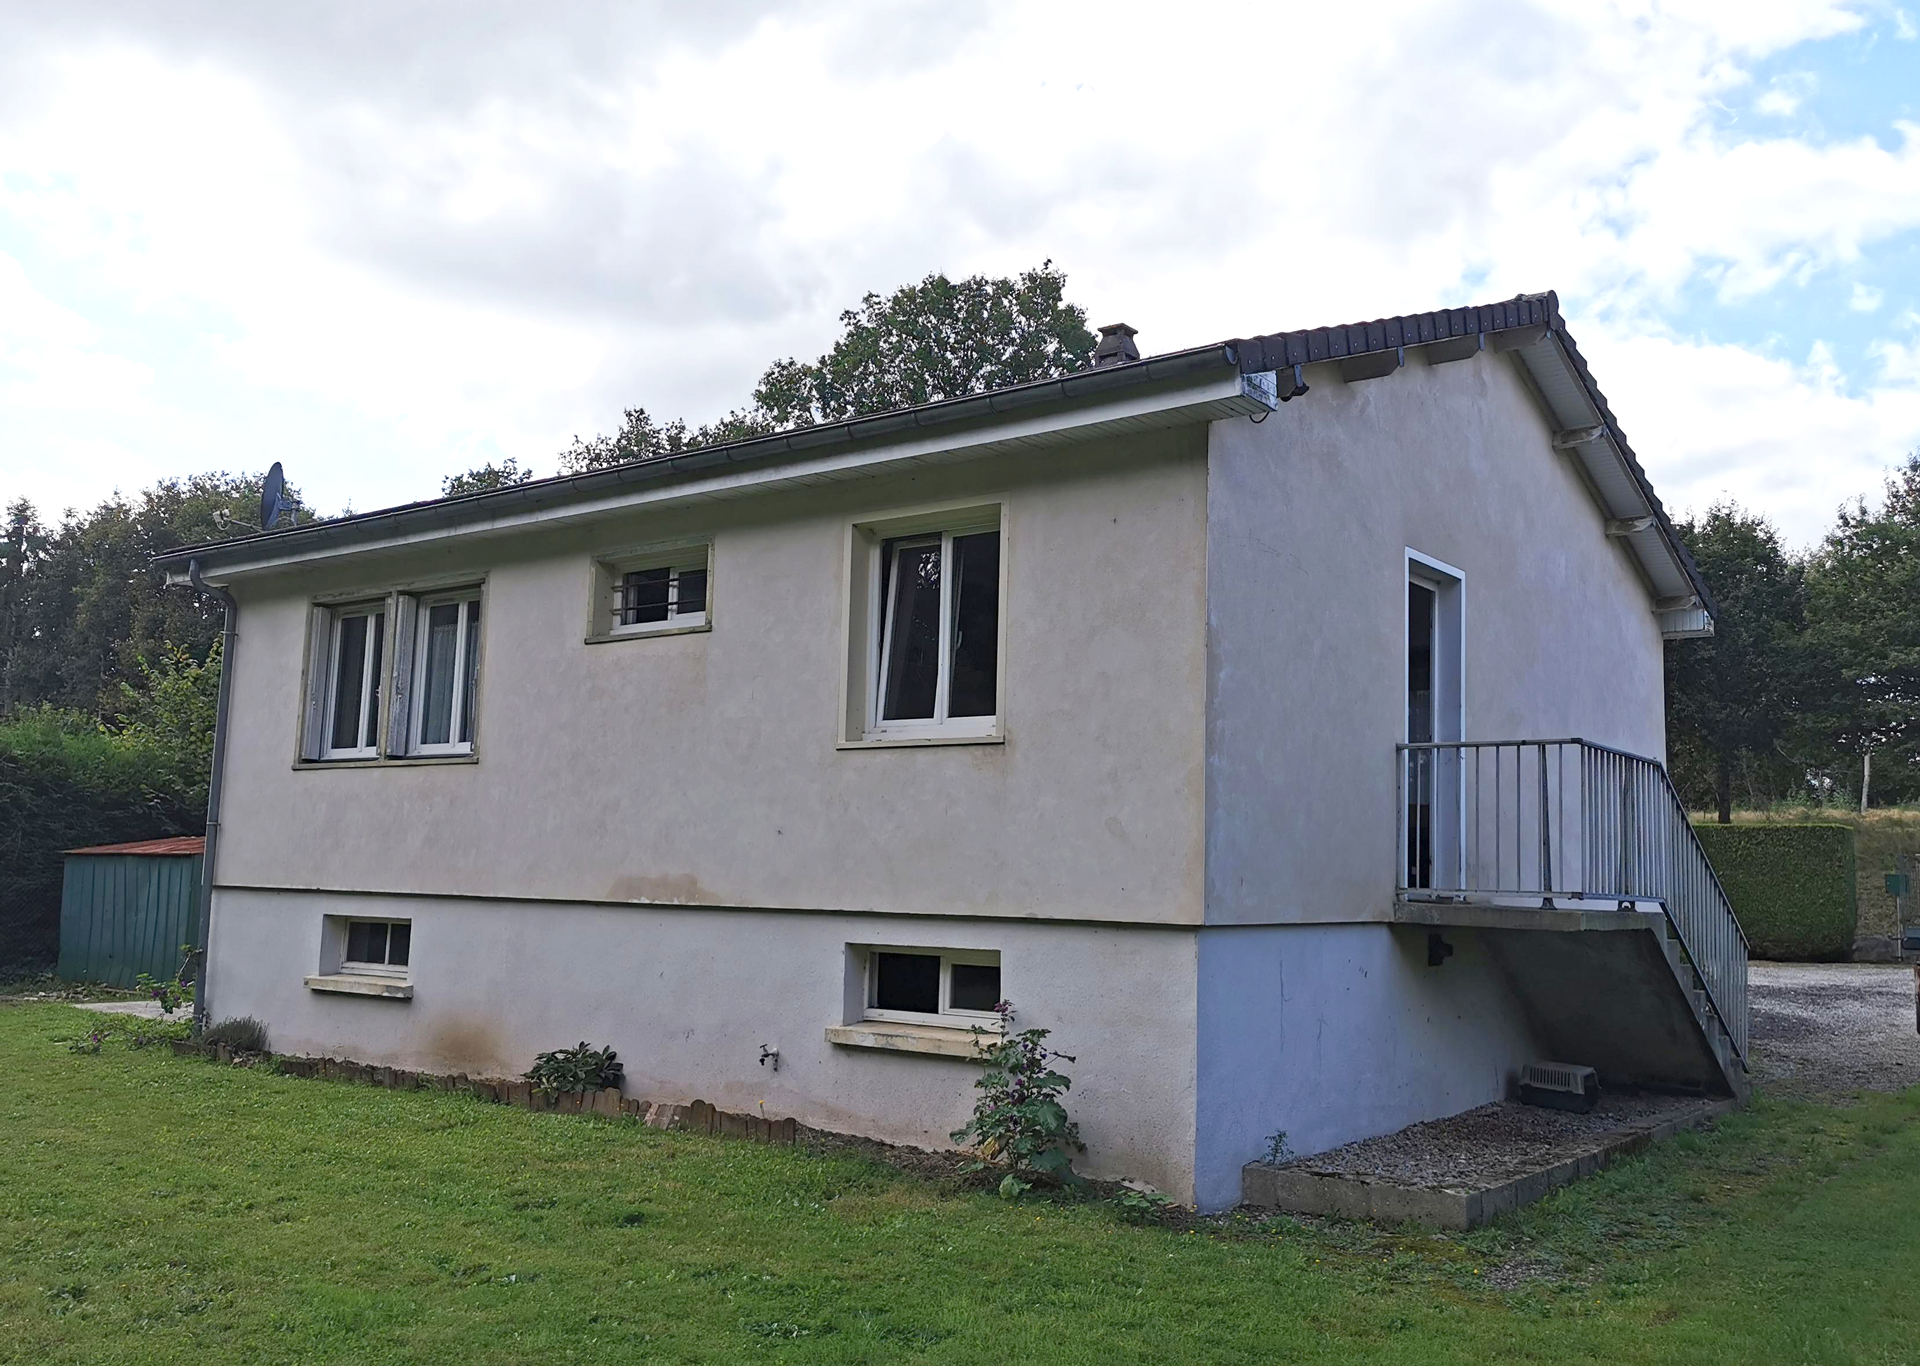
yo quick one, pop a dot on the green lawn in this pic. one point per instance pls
(162, 1209)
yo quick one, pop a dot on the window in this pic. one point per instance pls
(652, 594)
(937, 661)
(350, 709)
(376, 946)
(446, 672)
(933, 986)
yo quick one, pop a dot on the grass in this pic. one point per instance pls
(162, 1209)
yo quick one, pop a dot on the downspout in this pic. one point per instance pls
(221, 706)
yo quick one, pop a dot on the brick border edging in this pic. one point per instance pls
(1301, 1190)
(692, 1117)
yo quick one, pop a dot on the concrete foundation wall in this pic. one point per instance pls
(1309, 518)
(688, 996)
(1339, 1032)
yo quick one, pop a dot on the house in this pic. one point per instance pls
(1179, 702)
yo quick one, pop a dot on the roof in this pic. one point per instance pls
(1201, 383)
(172, 846)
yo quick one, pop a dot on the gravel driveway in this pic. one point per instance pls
(1831, 1028)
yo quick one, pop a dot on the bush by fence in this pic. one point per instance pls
(66, 783)
(1791, 885)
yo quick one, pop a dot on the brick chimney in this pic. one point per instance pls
(1116, 345)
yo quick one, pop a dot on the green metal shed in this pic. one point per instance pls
(126, 909)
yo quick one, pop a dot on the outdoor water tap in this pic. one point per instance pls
(770, 1055)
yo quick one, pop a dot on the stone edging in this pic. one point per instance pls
(1298, 1189)
(692, 1117)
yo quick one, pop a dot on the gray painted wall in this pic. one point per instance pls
(688, 995)
(702, 768)
(1339, 1032)
(1310, 515)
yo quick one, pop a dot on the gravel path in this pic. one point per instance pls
(1832, 1028)
(1497, 1142)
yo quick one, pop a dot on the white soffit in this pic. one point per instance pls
(1607, 470)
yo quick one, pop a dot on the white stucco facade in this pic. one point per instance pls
(1181, 839)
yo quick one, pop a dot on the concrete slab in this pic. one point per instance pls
(1317, 1186)
(146, 1010)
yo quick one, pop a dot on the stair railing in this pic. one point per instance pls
(1565, 822)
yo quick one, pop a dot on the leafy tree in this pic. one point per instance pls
(938, 339)
(170, 719)
(488, 476)
(1731, 698)
(84, 605)
(1864, 590)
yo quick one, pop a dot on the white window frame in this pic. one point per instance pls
(417, 702)
(1447, 811)
(370, 675)
(610, 571)
(946, 1015)
(883, 584)
(354, 967)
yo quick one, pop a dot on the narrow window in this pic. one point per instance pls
(352, 711)
(446, 674)
(955, 987)
(939, 629)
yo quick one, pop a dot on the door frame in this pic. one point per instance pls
(1448, 584)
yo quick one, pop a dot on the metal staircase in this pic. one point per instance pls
(1543, 836)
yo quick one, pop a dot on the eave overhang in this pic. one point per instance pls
(1532, 332)
(1177, 389)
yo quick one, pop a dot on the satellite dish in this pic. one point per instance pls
(273, 497)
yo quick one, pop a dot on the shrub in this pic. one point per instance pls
(1018, 1122)
(243, 1033)
(580, 1068)
(1792, 886)
(66, 783)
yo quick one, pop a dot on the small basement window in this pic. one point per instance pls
(933, 986)
(652, 594)
(377, 946)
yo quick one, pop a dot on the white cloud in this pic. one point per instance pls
(1792, 440)
(1865, 298)
(1785, 94)
(381, 249)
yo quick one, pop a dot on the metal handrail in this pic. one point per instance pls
(1567, 820)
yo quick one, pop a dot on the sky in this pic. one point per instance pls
(387, 240)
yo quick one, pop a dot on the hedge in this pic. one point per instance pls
(65, 784)
(1791, 885)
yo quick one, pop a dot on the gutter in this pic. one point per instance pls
(561, 490)
(221, 711)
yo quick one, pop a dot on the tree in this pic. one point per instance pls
(83, 603)
(1731, 698)
(938, 339)
(488, 476)
(1865, 609)
(170, 719)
